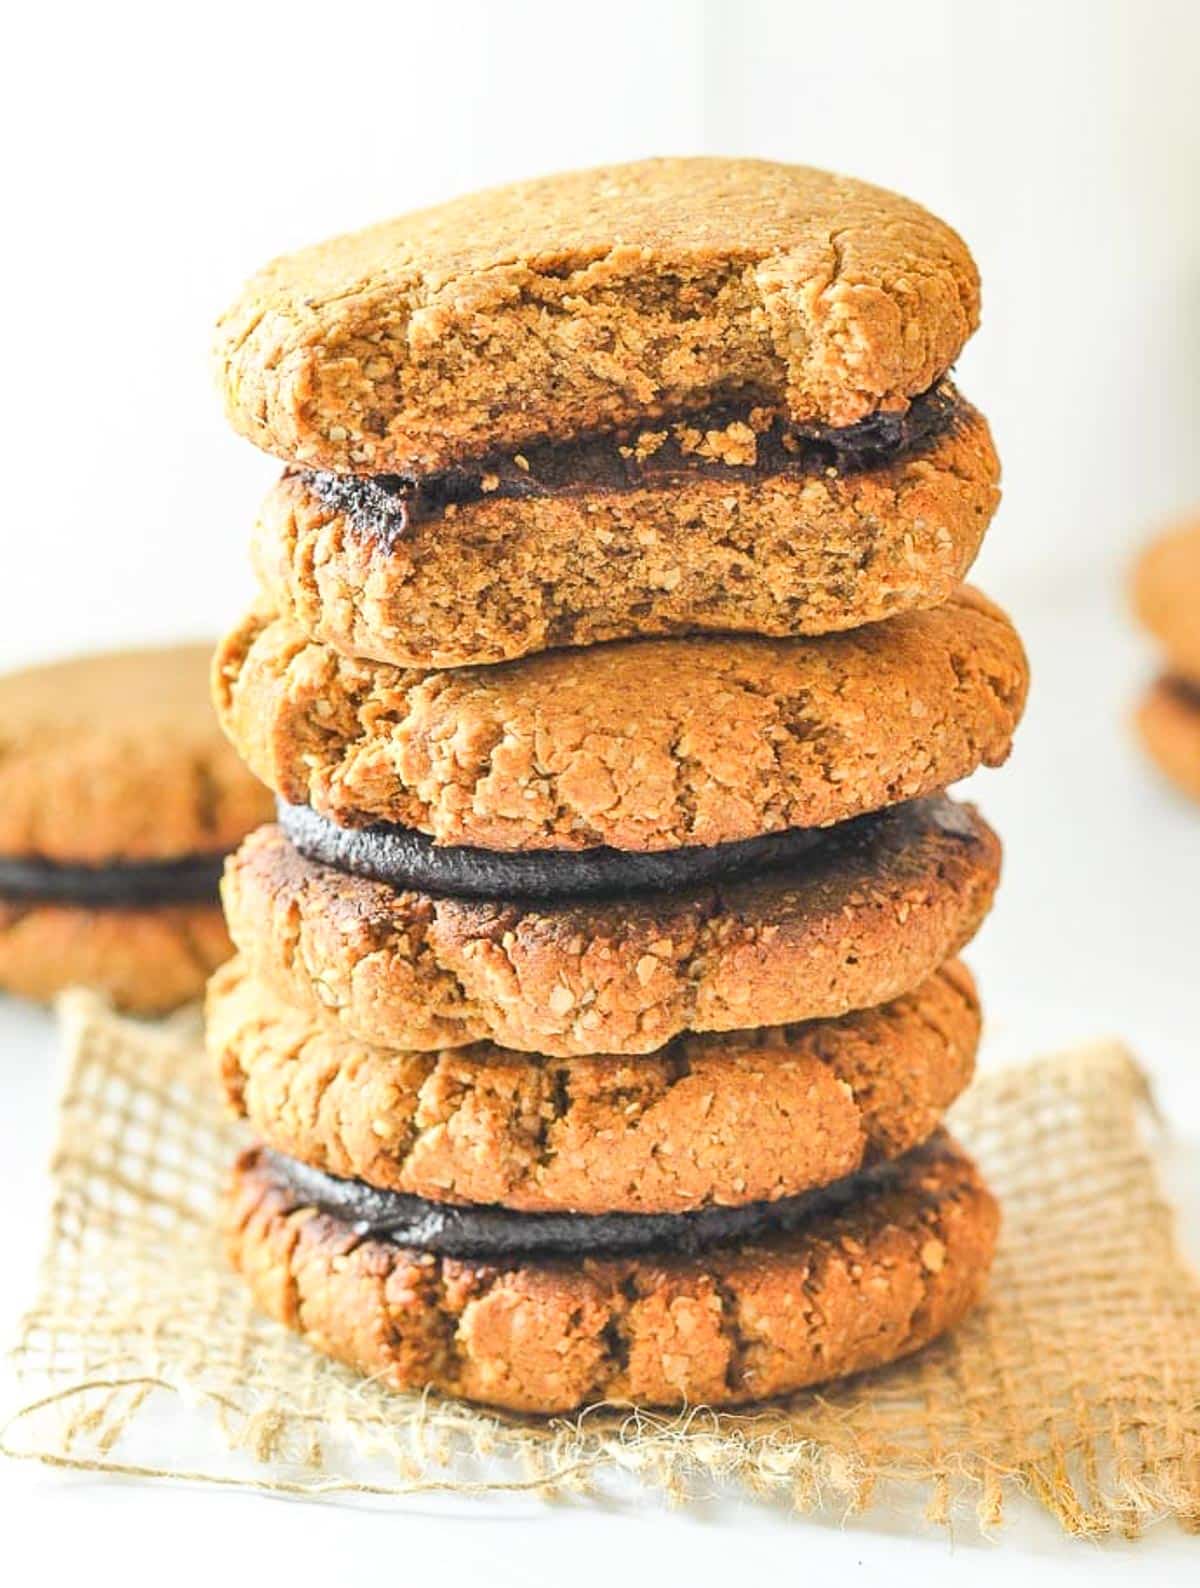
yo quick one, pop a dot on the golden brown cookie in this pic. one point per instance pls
(497, 578)
(867, 916)
(119, 797)
(146, 960)
(1168, 723)
(588, 300)
(639, 745)
(730, 1118)
(1166, 594)
(118, 757)
(847, 1290)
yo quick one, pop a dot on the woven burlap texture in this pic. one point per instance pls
(1078, 1382)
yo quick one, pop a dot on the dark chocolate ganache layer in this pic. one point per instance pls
(727, 441)
(456, 1230)
(1185, 691)
(128, 884)
(409, 859)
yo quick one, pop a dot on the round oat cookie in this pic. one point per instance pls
(1166, 591)
(724, 1119)
(146, 961)
(118, 758)
(846, 1290)
(868, 915)
(119, 796)
(590, 300)
(1168, 724)
(728, 550)
(639, 745)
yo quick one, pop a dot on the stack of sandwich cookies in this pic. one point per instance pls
(597, 1001)
(119, 799)
(1167, 598)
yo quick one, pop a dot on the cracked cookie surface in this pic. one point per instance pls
(588, 300)
(847, 1291)
(118, 756)
(872, 913)
(146, 961)
(499, 579)
(637, 745)
(1166, 592)
(724, 1119)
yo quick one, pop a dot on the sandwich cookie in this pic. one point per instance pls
(1166, 593)
(586, 302)
(726, 521)
(640, 745)
(723, 1119)
(1168, 723)
(756, 1302)
(871, 911)
(119, 800)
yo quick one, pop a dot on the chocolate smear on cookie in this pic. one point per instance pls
(498, 1234)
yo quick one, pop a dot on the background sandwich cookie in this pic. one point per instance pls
(1166, 592)
(722, 1120)
(118, 801)
(1168, 723)
(147, 960)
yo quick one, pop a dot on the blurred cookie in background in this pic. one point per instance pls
(1166, 595)
(119, 798)
(1168, 721)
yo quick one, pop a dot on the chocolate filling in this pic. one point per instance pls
(409, 859)
(194, 878)
(1185, 691)
(497, 1233)
(727, 441)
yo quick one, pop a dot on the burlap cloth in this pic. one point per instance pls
(1078, 1382)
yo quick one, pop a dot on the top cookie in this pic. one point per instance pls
(590, 300)
(1167, 597)
(118, 757)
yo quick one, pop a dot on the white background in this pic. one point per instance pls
(157, 155)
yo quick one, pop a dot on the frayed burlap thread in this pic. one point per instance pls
(1077, 1382)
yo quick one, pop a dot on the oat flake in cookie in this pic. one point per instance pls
(119, 799)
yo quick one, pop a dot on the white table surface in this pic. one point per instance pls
(1096, 933)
